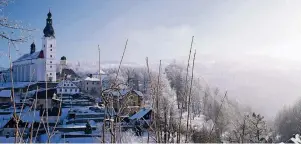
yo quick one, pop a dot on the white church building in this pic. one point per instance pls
(38, 65)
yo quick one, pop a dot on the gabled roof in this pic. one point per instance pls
(36, 55)
(123, 92)
(139, 93)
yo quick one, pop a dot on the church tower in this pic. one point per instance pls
(49, 49)
(63, 63)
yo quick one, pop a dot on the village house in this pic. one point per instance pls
(129, 101)
(67, 87)
(91, 85)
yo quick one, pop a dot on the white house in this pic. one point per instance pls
(38, 65)
(67, 87)
(91, 85)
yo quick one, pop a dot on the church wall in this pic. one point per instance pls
(25, 71)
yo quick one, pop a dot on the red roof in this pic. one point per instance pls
(41, 54)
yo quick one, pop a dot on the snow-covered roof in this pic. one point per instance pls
(31, 116)
(91, 79)
(100, 72)
(5, 93)
(139, 93)
(4, 119)
(76, 81)
(142, 112)
(15, 84)
(29, 56)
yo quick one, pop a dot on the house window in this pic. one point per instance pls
(50, 49)
(65, 90)
(93, 83)
(50, 66)
(50, 55)
(87, 83)
(70, 90)
(50, 61)
(71, 84)
(64, 84)
(44, 45)
(51, 45)
(87, 89)
(60, 90)
(67, 84)
(50, 73)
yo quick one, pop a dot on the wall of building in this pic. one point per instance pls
(90, 86)
(67, 90)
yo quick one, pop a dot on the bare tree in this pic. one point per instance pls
(12, 30)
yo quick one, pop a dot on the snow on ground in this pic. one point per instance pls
(296, 139)
(198, 122)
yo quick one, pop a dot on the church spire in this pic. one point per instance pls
(48, 30)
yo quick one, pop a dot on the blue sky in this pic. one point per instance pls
(162, 29)
(75, 24)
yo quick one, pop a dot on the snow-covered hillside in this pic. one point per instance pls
(262, 82)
